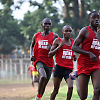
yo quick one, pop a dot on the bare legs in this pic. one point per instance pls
(57, 82)
(43, 81)
(96, 84)
(83, 85)
(70, 88)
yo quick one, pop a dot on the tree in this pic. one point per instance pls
(9, 29)
(76, 12)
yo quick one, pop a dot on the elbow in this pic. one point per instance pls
(50, 54)
(74, 48)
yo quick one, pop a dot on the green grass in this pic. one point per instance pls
(63, 93)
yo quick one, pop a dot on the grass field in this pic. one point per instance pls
(23, 91)
(63, 91)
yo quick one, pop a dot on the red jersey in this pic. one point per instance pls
(91, 44)
(40, 49)
(64, 56)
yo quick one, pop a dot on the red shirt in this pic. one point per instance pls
(91, 44)
(32, 68)
(40, 49)
(64, 56)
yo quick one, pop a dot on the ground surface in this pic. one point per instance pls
(22, 91)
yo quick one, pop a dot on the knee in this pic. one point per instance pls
(55, 91)
(43, 75)
(83, 96)
(43, 78)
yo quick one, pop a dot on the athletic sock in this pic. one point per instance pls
(39, 96)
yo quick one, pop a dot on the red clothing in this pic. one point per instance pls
(87, 70)
(40, 49)
(91, 44)
(32, 68)
(64, 56)
(53, 68)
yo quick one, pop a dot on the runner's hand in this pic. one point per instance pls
(32, 58)
(48, 46)
(93, 57)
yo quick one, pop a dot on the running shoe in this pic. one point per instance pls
(37, 98)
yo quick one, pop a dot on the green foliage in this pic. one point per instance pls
(74, 13)
(33, 20)
(9, 30)
(92, 5)
(63, 92)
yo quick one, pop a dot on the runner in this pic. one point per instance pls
(34, 74)
(64, 56)
(88, 61)
(42, 42)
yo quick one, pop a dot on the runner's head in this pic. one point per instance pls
(46, 24)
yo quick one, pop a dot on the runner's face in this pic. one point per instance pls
(95, 19)
(46, 24)
(67, 31)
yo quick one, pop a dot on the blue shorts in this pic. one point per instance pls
(61, 72)
(47, 69)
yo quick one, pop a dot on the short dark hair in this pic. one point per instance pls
(91, 13)
(44, 19)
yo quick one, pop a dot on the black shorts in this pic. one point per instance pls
(61, 72)
(48, 70)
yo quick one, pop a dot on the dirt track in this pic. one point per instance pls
(20, 91)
